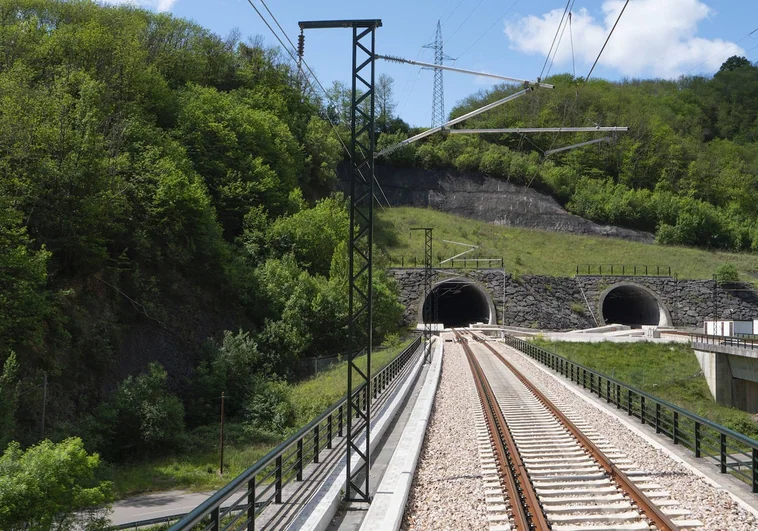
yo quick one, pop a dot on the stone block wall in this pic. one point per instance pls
(558, 303)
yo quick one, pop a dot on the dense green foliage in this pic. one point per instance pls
(166, 232)
(670, 372)
(687, 169)
(42, 486)
(295, 406)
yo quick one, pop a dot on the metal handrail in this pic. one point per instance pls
(725, 341)
(627, 270)
(656, 412)
(211, 507)
(462, 263)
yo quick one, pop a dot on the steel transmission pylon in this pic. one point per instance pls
(428, 301)
(360, 242)
(438, 92)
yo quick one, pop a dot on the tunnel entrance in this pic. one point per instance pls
(459, 303)
(633, 305)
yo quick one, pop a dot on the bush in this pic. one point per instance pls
(727, 273)
(269, 408)
(52, 486)
(143, 417)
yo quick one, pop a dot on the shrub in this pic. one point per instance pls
(51, 486)
(269, 408)
(577, 308)
(727, 273)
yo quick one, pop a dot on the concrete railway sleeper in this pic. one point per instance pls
(564, 481)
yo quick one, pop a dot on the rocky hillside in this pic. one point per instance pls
(476, 196)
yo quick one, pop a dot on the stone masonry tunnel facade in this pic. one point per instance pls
(565, 303)
(459, 302)
(631, 304)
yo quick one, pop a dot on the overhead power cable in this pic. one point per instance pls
(606, 40)
(464, 20)
(557, 31)
(497, 21)
(307, 80)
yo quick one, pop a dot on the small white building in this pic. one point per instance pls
(729, 328)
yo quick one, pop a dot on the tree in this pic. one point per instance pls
(8, 399)
(52, 486)
(385, 104)
(733, 63)
(143, 416)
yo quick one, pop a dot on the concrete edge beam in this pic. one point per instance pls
(388, 506)
(321, 508)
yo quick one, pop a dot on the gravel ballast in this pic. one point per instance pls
(712, 506)
(447, 490)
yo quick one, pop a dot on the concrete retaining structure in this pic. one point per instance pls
(731, 373)
(565, 303)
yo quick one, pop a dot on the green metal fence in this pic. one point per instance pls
(731, 452)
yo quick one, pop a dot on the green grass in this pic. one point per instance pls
(528, 251)
(198, 470)
(670, 372)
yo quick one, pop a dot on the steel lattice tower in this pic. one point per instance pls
(438, 93)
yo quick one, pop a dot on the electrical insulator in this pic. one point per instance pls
(300, 45)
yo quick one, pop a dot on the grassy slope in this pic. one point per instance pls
(199, 470)
(670, 372)
(528, 251)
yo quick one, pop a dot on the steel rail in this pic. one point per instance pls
(648, 508)
(525, 505)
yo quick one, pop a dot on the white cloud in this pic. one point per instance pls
(654, 37)
(158, 5)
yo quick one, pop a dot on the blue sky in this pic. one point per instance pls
(655, 38)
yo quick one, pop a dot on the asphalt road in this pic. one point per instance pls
(156, 505)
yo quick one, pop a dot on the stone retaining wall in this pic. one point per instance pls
(557, 303)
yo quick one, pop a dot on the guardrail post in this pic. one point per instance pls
(618, 396)
(755, 470)
(697, 439)
(278, 486)
(300, 460)
(722, 452)
(642, 409)
(251, 504)
(329, 432)
(657, 418)
(635, 271)
(584, 378)
(676, 427)
(215, 519)
(315, 443)
(629, 402)
(339, 422)
(608, 391)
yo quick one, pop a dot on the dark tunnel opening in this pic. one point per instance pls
(633, 306)
(458, 303)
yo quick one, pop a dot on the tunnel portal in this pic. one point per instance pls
(633, 305)
(459, 303)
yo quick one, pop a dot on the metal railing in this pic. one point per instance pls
(624, 270)
(726, 341)
(732, 452)
(457, 263)
(237, 505)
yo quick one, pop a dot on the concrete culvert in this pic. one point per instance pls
(459, 303)
(633, 305)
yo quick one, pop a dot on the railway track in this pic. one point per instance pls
(553, 475)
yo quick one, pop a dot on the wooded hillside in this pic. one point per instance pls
(687, 170)
(166, 232)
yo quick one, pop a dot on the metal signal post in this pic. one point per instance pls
(428, 303)
(360, 242)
